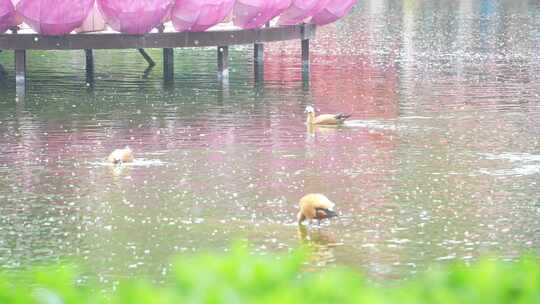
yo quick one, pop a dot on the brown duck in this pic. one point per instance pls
(324, 119)
(315, 206)
(119, 156)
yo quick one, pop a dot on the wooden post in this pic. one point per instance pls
(168, 64)
(89, 59)
(147, 57)
(20, 68)
(223, 61)
(258, 61)
(258, 53)
(305, 46)
(305, 63)
(305, 53)
(258, 71)
(305, 57)
(89, 66)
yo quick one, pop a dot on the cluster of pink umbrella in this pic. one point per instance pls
(197, 15)
(60, 17)
(7, 15)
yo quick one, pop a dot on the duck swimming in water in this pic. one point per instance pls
(315, 206)
(324, 119)
(119, 156)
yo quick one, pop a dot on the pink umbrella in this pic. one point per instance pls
(54, 17)
(7, 15)
(93, 23)
(199, 15)
(135, 17)
(249, 14)
(335, 10)
(300, 10)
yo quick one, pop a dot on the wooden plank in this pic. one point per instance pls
(223, 61)
(154, 40)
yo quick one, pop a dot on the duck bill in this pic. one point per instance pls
(325, 213)
(330, 213)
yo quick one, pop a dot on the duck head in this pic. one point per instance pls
(309, 109)
(310, 115)
(120, 156)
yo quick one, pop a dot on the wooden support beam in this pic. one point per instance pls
(3, 75)
(20, 42)
(147, 57)
(306, 79)
(89, 54)
(223, 61)
(20, 68)
(258, 71)
(305, 53)
(154, 40)
(306, 33)
(168, 64)
(258, 62)
(258, 53)
(305, 64)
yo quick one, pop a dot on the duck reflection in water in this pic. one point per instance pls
(319, 244)
(118, 171)
(325, 130)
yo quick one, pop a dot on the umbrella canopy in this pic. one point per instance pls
(134, 17)
(199, 15)
(93, 23)
(7, 15)
(54, 17)
(335, 10)
(301, 10)
(249, 14)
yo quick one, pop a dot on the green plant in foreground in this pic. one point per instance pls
(239, 277)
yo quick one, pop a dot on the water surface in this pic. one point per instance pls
(441, 161)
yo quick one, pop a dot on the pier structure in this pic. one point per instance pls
(222, 38)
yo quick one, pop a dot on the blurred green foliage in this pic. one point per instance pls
(239, 277)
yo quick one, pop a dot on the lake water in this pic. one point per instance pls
(440, 162)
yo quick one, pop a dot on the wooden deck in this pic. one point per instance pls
(221, 37)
